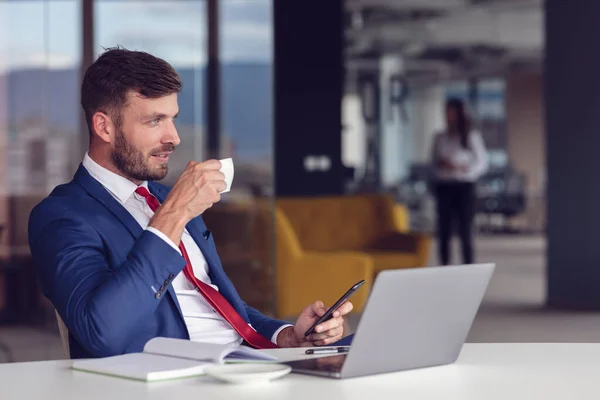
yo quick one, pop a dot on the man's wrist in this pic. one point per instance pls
(163, 237)
(170, 222)
(174, 214)
(287, 338)
(277, 332)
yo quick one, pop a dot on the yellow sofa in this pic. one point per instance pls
(326, 244)
(247, 236)
(303, 276)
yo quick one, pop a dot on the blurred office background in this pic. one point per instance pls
(328, 108)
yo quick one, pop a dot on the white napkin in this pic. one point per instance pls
(227, 170)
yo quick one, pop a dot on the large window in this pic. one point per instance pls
(244, 217)
(176, 32)
(40, 66)
(40, 60)
(43, 45)
(246, 89)
(39, 101)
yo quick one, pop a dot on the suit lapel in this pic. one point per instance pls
(202, 241)
(96, 190)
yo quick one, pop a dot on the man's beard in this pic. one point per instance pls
(133, 164)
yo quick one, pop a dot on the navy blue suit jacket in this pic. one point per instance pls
(109, 279)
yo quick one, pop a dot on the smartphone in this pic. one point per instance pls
(328, 314)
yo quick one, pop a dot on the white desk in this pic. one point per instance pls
(483, 371)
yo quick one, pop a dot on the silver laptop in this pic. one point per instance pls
(414, 318)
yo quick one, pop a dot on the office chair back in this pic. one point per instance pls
(64, 334)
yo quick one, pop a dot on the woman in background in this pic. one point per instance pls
(459, 158)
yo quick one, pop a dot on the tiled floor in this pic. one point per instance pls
(512, 310)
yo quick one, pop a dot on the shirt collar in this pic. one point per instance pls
(121, 188)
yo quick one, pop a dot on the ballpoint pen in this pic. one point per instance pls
(328, 350)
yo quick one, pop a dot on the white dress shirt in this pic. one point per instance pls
(204, 324)
(474, 158)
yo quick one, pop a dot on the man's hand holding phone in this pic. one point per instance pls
(326, 333)
(317, 326)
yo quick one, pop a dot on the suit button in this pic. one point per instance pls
(171, 277)
(158, 294)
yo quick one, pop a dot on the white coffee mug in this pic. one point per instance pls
(227, 170)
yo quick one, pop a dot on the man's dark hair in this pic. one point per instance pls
(116, 72)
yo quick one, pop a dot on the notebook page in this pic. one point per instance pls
(183, 348)
(211, 352)
(142, 366)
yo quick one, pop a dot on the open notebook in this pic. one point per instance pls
(167, 358)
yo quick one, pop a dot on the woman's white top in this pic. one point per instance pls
(474, 158)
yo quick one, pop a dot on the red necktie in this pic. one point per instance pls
(212, 296)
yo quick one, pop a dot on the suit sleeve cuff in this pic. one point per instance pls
(163, 237)
(274, 337)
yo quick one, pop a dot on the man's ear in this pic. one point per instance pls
(103, 127)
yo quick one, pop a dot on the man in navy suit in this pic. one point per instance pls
(124, 259)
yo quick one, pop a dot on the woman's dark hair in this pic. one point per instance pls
(117, 71)
(463, 123)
